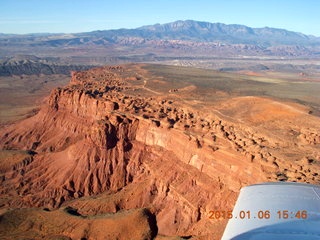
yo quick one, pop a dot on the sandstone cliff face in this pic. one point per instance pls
(97, 137)
(79, 150)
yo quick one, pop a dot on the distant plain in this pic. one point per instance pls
(20, 96)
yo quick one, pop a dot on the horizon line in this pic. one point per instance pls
(146, 25)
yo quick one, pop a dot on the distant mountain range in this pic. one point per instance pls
(177, 39)
(190, 30)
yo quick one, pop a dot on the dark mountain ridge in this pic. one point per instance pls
(32, 65)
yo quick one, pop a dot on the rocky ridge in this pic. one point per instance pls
(100, 135)
(32, 65)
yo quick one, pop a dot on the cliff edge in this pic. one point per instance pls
(108, 142)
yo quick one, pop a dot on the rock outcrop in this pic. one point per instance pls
(100, 136)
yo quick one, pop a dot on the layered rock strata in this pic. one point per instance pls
(100, 137)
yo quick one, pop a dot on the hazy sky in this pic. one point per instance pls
(69, 16)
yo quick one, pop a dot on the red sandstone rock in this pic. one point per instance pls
(93, 138)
